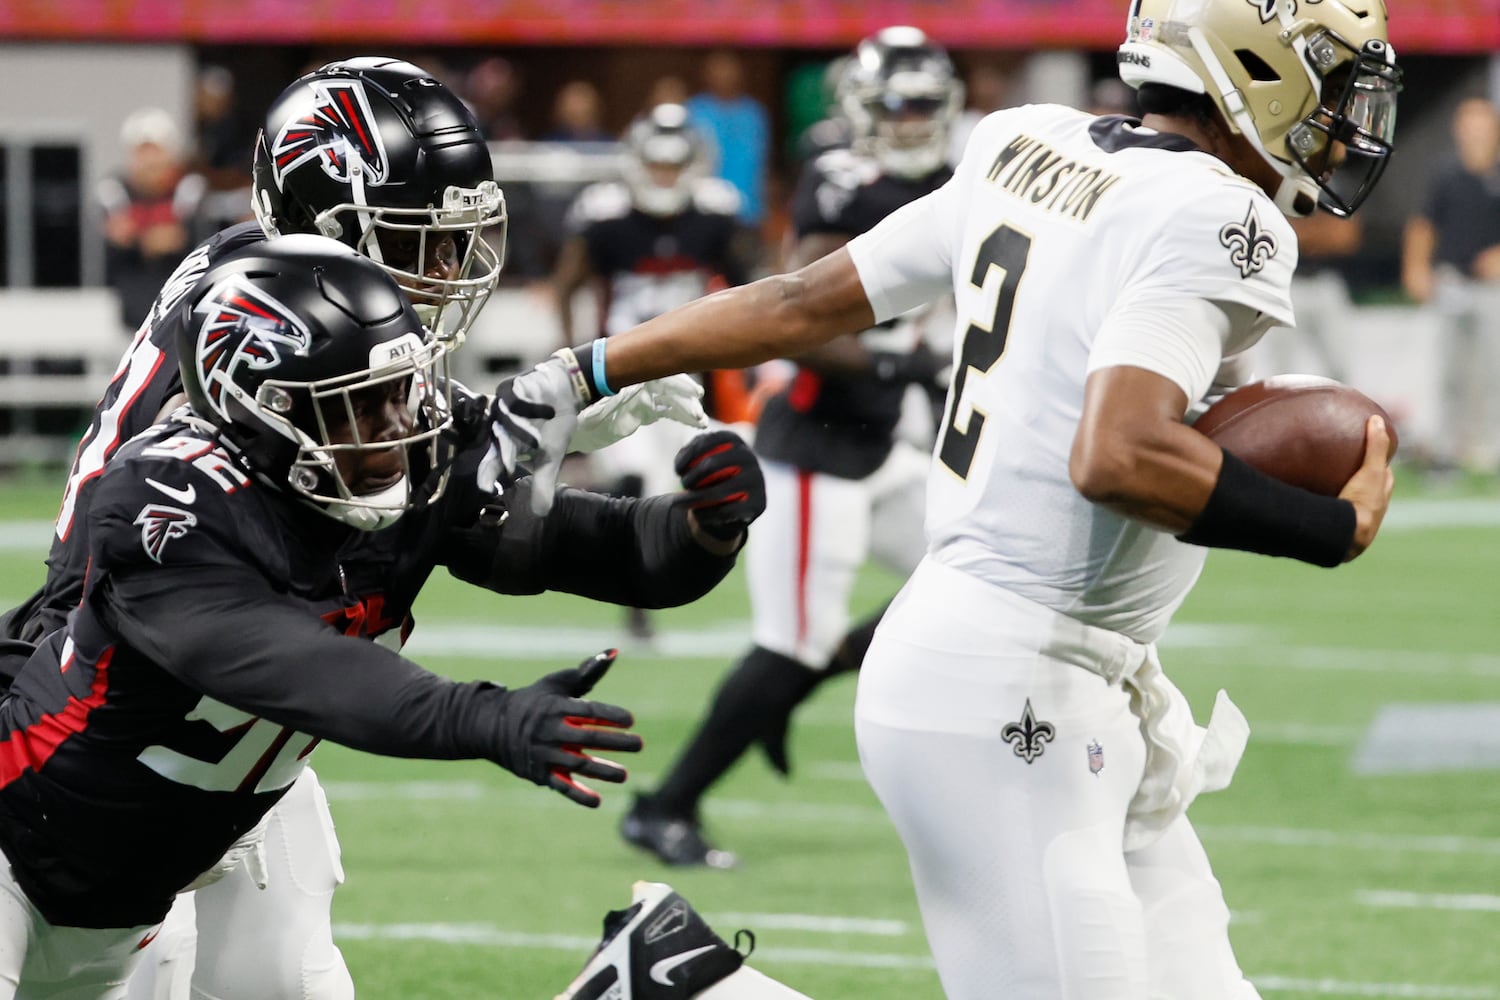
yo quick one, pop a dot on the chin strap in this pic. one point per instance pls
(372, 512)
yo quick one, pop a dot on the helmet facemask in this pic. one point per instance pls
(467, 232)
(321, 420)
(1345, 143)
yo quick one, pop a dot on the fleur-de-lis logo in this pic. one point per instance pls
(1251, 245)
(1029, 736)
(1267, 8)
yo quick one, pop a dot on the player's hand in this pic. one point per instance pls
(723, 487)
(546, 731)
(532, 417)
(677, 398)
(1369, 489)
(919, 366)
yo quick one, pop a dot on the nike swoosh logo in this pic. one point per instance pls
(181, 496)
(661, 971)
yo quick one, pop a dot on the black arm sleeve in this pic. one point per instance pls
(639, 553)
(221, 631)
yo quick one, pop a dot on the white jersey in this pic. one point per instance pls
(1073, 243)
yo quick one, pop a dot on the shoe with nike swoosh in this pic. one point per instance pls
(659, 948)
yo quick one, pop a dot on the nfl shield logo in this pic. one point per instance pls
(1096, 757)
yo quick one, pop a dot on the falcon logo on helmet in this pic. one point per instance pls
(339, 131)
(160, 524)
(244, 328)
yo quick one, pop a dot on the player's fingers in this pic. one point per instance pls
(591, 671)
(587, 733)
(1377, 443)
(561, 781)
(598, 768)
(544, 473)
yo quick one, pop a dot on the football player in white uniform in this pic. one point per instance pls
(1012, 713)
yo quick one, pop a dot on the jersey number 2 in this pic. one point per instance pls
(1005, 249)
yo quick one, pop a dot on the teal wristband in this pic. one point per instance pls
(600, 385)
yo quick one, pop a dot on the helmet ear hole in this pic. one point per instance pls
(1260, 71)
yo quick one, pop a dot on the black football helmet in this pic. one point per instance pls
(663, 138)
(283, 341)
(901, 95)
(376, 153)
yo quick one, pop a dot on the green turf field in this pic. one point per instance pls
(1380, 880)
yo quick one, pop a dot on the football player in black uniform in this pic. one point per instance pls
(841, 486)
(241, 554)
(380, 155)
(664, 234)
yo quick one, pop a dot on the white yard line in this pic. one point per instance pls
(1383, 991)
(814, 813)
(489, 936)
(1396, 899)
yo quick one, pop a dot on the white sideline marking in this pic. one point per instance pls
(484, 934)
(1387, 991)
(1396, 899)
(808, 812)
(1405, 515)
(810, 922)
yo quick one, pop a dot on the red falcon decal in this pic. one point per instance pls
(160, 524)
(338, 126)
(247, 329)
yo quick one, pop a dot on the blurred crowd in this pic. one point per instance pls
(180, 182)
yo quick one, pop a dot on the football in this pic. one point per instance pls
(1301, 429)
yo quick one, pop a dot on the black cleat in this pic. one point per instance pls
(657, 949)
(675, 840)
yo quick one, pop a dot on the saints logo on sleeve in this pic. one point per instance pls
(1251, 246)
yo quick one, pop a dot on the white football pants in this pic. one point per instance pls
(806, 549)
(236, 941)
(1010, 769)
(41, 961)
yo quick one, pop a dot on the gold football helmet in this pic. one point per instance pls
(1311, 84)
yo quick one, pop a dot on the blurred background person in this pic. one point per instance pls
(662, 236)
(737, 126)
(490, 90)
(1451, 259)
(150, 211)
(222, 149)
(1111, 96)
(989, 86)
(578, 115)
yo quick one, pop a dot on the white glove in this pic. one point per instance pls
(677, 398)
(532, 417)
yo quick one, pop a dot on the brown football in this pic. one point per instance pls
(1301, 429)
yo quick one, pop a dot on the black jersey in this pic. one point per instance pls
(841, 424)
(650, 263)
(223, 631)
(145, 380)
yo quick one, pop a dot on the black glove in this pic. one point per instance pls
(922, 366)
(723, 484)
(545, 729)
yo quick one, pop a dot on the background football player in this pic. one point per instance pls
(842, 486)
(662, 235)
